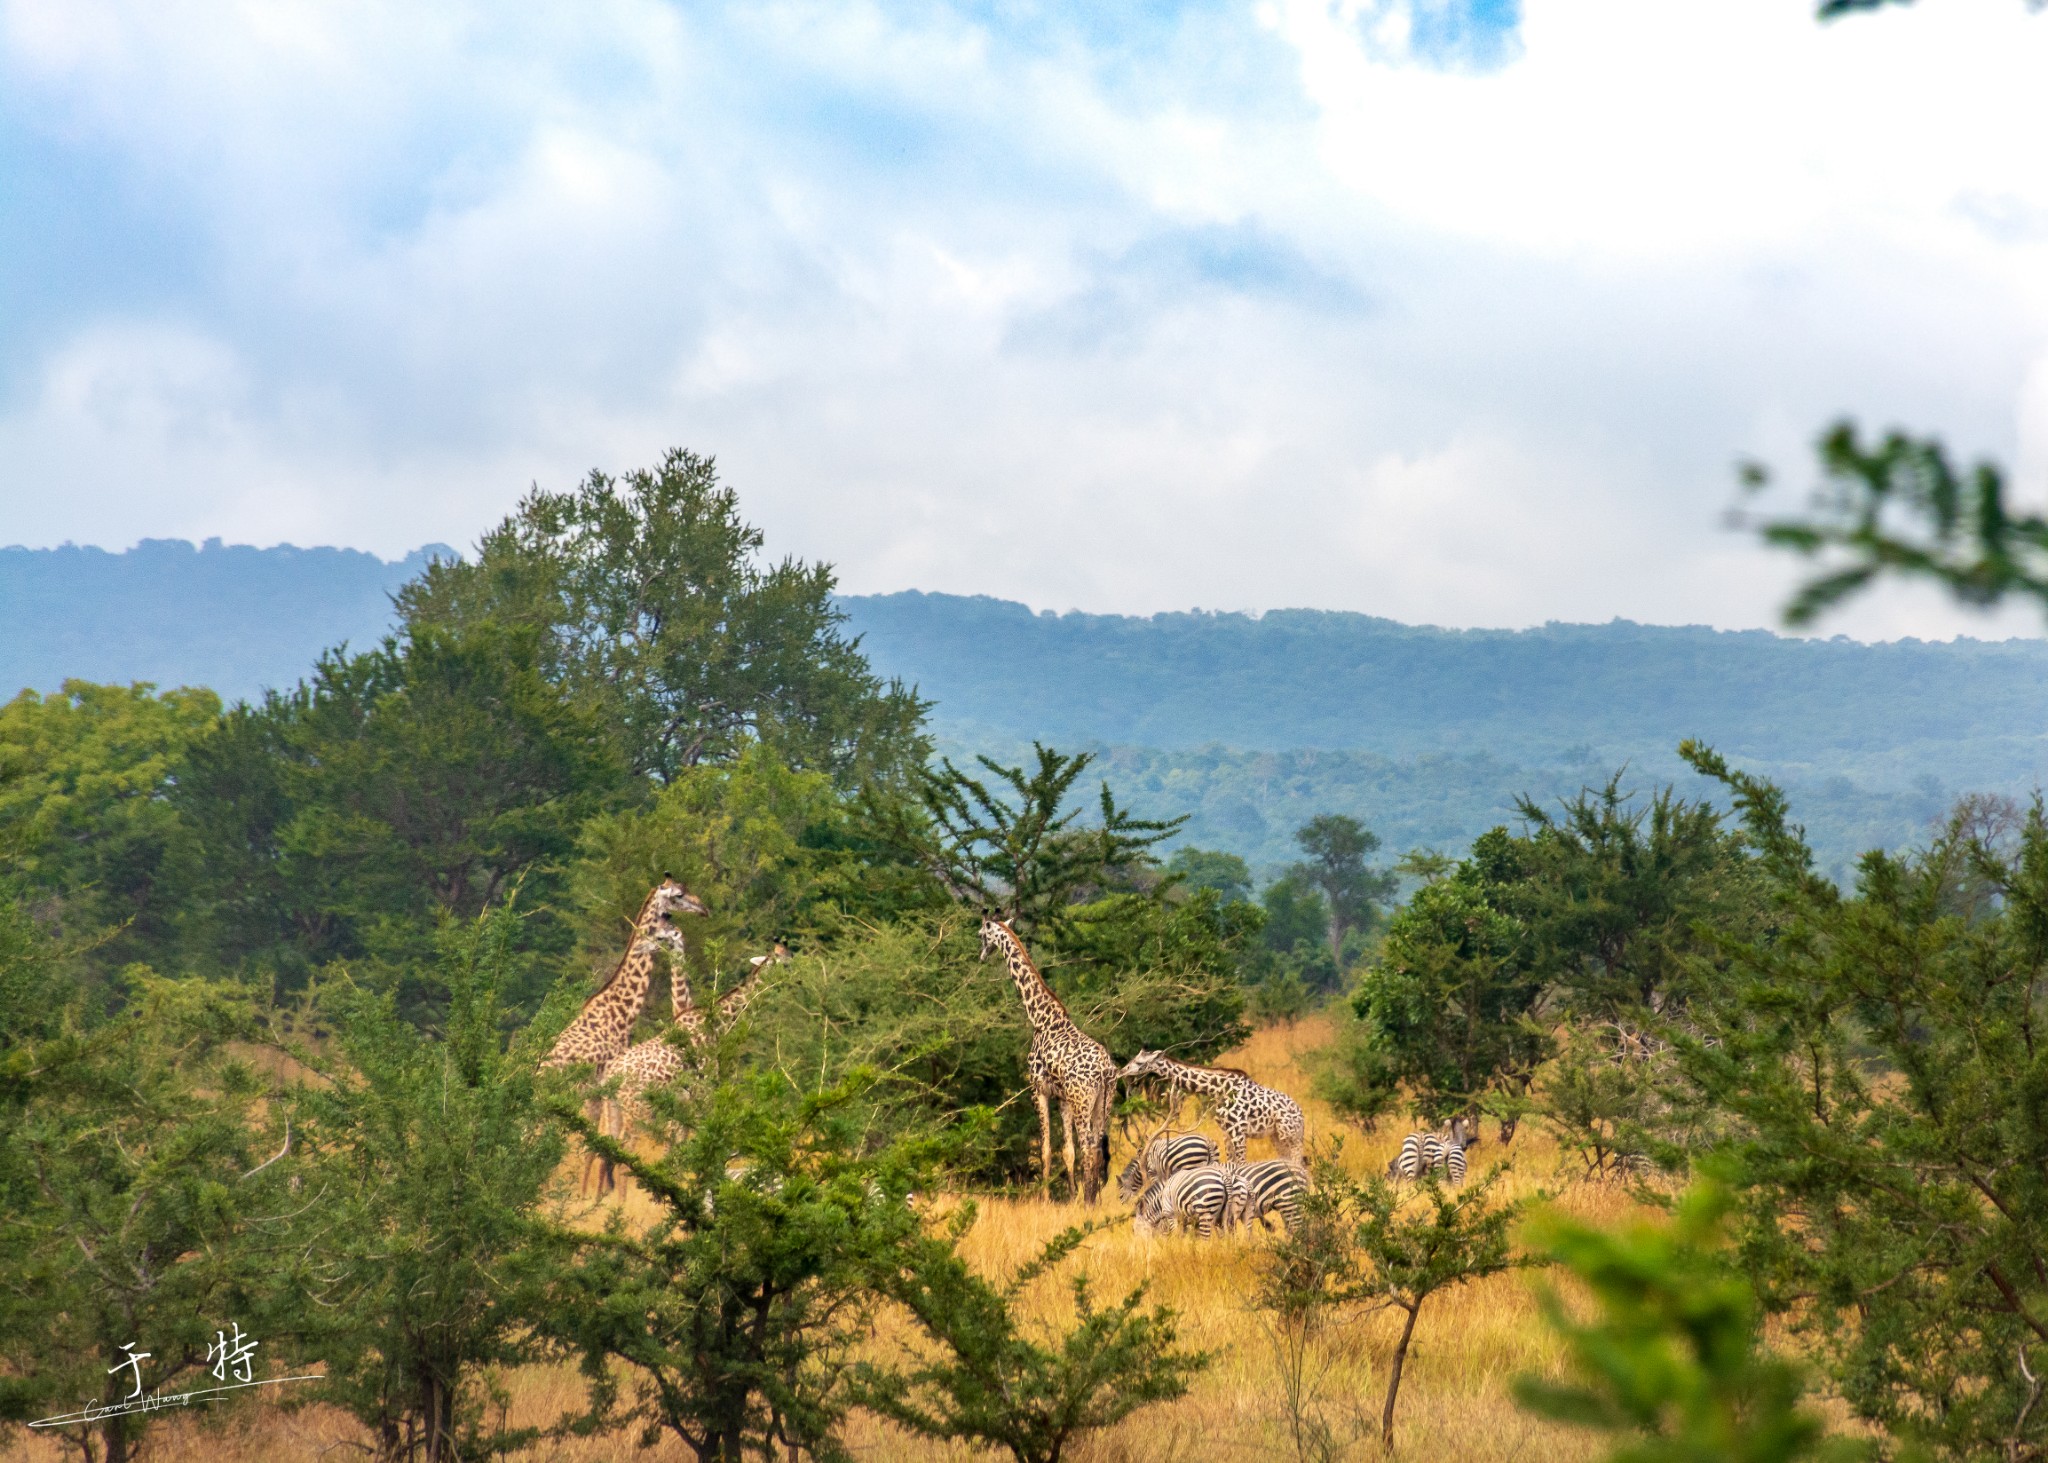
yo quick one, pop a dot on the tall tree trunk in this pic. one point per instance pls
(1394, 1375)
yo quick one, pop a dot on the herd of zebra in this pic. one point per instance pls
(1178, 1183)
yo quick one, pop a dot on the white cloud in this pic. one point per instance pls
(1250, 310)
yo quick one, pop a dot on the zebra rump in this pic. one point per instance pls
(1259, 1189)
(1197, 1196)
(1164, 1154)
(1422, 1152)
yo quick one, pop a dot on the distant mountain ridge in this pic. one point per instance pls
(1248, 723)
(236, 618)
(1293, 679)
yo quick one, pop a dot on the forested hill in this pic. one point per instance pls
(1430, 734)
(1250, 724)
(1323, 679)
(236, 618)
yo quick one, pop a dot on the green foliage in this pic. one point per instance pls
(1898, 508)
(84, 813)
(425, 778)
(1005, 846)
(650, 604)
(432, 1154)
(1876, 1068)
(139, 1206)
(1598, 1097)
(995, 1385)
(1206, 868)
(1672, 1363)
(1297, 932)
(1615, 895)
(1443, 1009)
(1367, 1242)
(1337, 845)
(913, 1002)
(737, 835)
(737, 1310)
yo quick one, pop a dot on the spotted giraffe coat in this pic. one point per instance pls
(661, 1059)
(1244, 1109)
(603, 1029)
(1064, 1062)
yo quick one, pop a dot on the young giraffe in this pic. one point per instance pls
(661, 1059)
(1065, 1060)
(1243, 1108)
(603, 1029)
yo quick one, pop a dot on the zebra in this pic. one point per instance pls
(1200, 1195)
(1259, 1189)
(1165, 1153)
(1422, 1152)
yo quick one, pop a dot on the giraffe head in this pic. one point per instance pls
(777, 955)
(664, 902)
(1144, 1064)
(996, 936)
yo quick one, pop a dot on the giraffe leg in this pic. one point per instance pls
(1045, 1141)
(1067, 1127)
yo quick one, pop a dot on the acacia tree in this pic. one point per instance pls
(145, 1206)
(432, 1153)
(994, 1384)
(1363, 1242)
(1011, 844)
(1874, 1068)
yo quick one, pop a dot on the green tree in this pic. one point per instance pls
(1443, 1010)
(85, 809)
(738, 835)
(737, 1310)
(1615, 894)
(1011, 845)
(1296, 934)
(995, 1385)
(432, 1155)
(1364, 1242)
(651, 602)
(1672, 1364)
(1337, 846)
(1871, 1073)
(421, 780)
(145, 1206)
(1207, 868)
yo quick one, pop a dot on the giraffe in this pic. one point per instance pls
(603, 1029)
(661, 1059)
(1244, 1108)
(1064, 1060)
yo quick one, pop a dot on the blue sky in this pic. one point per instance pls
(1451, 310)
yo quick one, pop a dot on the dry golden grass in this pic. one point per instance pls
(1454, 1400)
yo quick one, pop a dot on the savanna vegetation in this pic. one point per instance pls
(279, 978)
(282, 983)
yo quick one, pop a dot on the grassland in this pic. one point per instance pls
(1454, 1403)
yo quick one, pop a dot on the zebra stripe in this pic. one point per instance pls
(1259, 1189)
(1166, 1153)
(1422, 1152)
(1197, 1195)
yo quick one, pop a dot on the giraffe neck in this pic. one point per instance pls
(1194, 1079)
(628, 990)
(682, 1002)
(733, 1004)
(1042, 1008)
